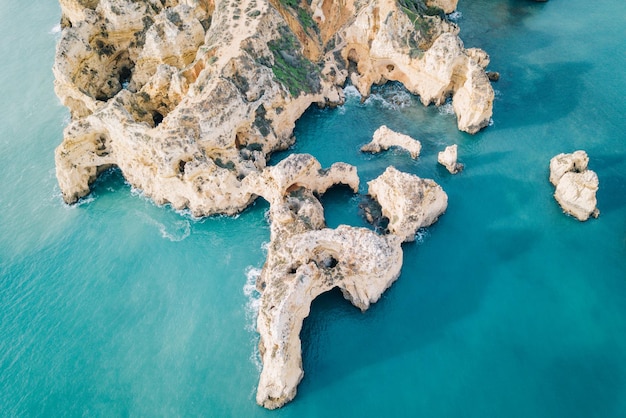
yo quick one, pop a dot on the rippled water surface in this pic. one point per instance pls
(505, 307)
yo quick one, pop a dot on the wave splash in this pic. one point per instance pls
(253, 304)
(175, 231)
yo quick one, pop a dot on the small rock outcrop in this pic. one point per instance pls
(576, 185)
(408, 201)
(448, 159)
(384, 138)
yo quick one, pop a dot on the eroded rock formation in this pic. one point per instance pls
(188, 97)
(384, 138)
(306, 259)
(408, 201)
(576, 186)
(448, 159)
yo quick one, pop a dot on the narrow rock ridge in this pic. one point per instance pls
(384, 138)
(576, 185)
(189, 97)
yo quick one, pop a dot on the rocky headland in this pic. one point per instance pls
(190, 97)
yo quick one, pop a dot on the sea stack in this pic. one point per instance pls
(448, 158)
(576, 186)
(384, 138)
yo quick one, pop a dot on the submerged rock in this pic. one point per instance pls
(384, 138)
(576, 186)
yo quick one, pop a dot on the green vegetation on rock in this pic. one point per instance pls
(290, 67)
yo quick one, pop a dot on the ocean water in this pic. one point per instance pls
(505, 307)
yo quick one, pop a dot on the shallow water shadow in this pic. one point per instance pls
(540, 94)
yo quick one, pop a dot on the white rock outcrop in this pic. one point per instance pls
(384, 138)
(448, 159)
(576, 186)
(408, 201)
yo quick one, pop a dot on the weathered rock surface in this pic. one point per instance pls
(576, 186)
(384, 138)
(448, 159)
(356, 260)
(408, 201)
(576, 162)
(306, 259)
(188, 97)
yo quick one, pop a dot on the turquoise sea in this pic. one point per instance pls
(505, 307)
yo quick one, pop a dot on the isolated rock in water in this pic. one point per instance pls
(448, 158)
(384, 138)
(576, 186)
(408, 201)
(576, 162)
(356, 260)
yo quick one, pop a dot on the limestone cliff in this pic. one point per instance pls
(306, 259)
(187, 97)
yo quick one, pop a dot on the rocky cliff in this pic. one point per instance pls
(187, 97)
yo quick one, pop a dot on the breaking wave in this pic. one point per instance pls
(175, 231)
(455, 16)
(446, 109)
(253, 304)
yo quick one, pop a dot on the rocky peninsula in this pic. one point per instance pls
(190, 97)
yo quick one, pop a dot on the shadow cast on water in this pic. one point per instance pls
(540, 94)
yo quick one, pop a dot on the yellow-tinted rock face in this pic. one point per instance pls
(184, 96)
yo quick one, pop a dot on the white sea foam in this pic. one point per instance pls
(175, 231)
(56, 29)
(393, 99)
(455, 16)
(446, 109)
(253, 304)
(351, 91)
